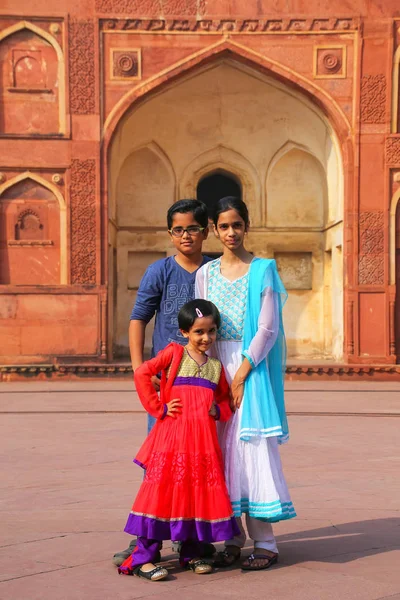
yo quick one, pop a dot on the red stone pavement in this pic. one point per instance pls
(67, 483)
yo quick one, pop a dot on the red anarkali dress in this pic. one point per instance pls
(183, 495)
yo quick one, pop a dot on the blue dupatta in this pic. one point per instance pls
(263, 408)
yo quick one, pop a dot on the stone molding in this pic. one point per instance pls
(221, 26)
(110, 370)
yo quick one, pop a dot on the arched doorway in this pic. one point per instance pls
(291, 179)
(215, 186)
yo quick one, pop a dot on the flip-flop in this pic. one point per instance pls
(226, 558)
(271, 560)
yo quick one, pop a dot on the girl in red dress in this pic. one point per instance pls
(183, 496)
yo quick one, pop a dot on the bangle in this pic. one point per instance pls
(165, 410)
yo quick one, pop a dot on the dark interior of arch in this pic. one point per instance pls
(216, 186)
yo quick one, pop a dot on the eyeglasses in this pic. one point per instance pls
(191, 230)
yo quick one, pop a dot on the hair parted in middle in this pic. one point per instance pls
(188, 313)
(228, 203)
(198, 208)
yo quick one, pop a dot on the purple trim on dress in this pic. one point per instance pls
(218, 410)
(135, 460)
(195, 381)
(165, 410)
(188, 529)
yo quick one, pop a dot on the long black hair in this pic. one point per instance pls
(228, 203)
(194, 309)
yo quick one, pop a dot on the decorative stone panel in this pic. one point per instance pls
(329, 62)
(151, 7)
(82, 67)
(373, 99)
(125, 64)
(392, 152)
(83, 221)
(371, 258)
(196, 25)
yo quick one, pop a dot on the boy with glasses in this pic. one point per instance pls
(166, 286)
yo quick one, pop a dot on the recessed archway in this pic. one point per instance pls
(59, 221)
(217, 185)
(197, 121)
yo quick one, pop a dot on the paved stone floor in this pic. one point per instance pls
(67, 483)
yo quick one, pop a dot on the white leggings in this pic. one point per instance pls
(259, 531)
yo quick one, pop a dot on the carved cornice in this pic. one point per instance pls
(222, 26)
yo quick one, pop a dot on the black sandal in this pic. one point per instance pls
(199, 566)
(227, 558)
(271, 560)
(156, 574)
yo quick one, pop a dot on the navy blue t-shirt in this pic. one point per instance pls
(164, 289)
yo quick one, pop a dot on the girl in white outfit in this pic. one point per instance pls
(251, 346)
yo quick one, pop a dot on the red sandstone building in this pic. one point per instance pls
(110, 110)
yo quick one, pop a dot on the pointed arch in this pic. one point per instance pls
(392, 230)
(395, 91)
(60, 58)
(241, 53)
(156, 152)
(287, 147)
(63, 214)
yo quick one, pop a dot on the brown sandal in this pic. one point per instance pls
(271, 559)
(228, 557)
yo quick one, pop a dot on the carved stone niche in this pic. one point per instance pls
(295, 269)
(29, 95)
(29, 235)
(29, 230)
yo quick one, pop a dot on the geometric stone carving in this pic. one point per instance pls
(146, 7)
(82, 67)
(392, 151)
(372, 240)
(371, 270)
(157, 12)
(126, 64)
(83, 221)
(295, 269)
(151, 7)
(373, 99)
(329, 62)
